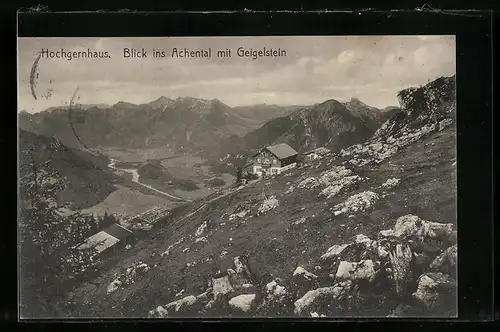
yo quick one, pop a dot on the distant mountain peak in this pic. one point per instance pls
(355, 100)
(161, 102)
(164, 99)
(124, 104)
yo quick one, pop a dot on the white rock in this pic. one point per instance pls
(303, 272)
(242, 302)
(336, 186)
(200, 239)
(334, 250)
(114, 285)
(275, 292)
(240, 214)
(431, 286)
(201, 228)
(309, 182)
(386, 233)
(315, 314)
(311, 296)
(268, 204)
(356, 271)
(300, 221)
(221, 286)
(358, 202)
(184, 302)
(390, 183)
(410, 225)
(159, 312)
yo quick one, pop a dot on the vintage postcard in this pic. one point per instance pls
(237, 177)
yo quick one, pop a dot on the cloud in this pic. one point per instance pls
(372, 68)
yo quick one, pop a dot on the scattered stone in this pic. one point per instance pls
(182, 304)
(434, 289)
(201, 228)
(315, 314)
(114, 285)
(363, 270)
(268, 205)
(413, 226)
(201, 239)
(401, 261)
(337, 185)
(336, 173)
(334, 251)
(221, 286)
(445, 123)
(300, 221)
(358, 202)
(300, 271)
(309, 182)
(158, 312)
(390, 183)
(275, 291)
(242, 302)
(240, 214)
(446, 262)
(314, 297)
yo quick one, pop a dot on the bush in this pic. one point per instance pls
(187, 185)
(216, 182)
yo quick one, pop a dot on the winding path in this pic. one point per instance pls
(135, 178)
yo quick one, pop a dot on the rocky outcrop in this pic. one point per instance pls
(407, 270)
(129, 276)
(434, 99)
(434, 290)
(426, 109)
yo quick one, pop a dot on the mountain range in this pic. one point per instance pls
(207, 126)
(182, 123)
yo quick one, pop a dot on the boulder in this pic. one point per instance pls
(435, 290)
(301, 272)
(334, 251)
(221, 286)
(446, 262)
(363, 270)
(181, 305)
(321, 297)
(411, 226)
(243, 303)
(402, 263)
(158, 312)
(275, 292)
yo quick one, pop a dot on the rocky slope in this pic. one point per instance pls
(367, 231)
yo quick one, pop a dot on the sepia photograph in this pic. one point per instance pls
(228, 177)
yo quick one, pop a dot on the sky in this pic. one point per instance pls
(316, 68)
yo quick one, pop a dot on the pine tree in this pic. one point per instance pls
(48, 242)
(239, 175)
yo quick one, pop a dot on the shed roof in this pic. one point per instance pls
(282, 150)
(118, 231)
(100, 241)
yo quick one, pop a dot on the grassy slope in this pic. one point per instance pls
(126, 202)
(273, 244)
